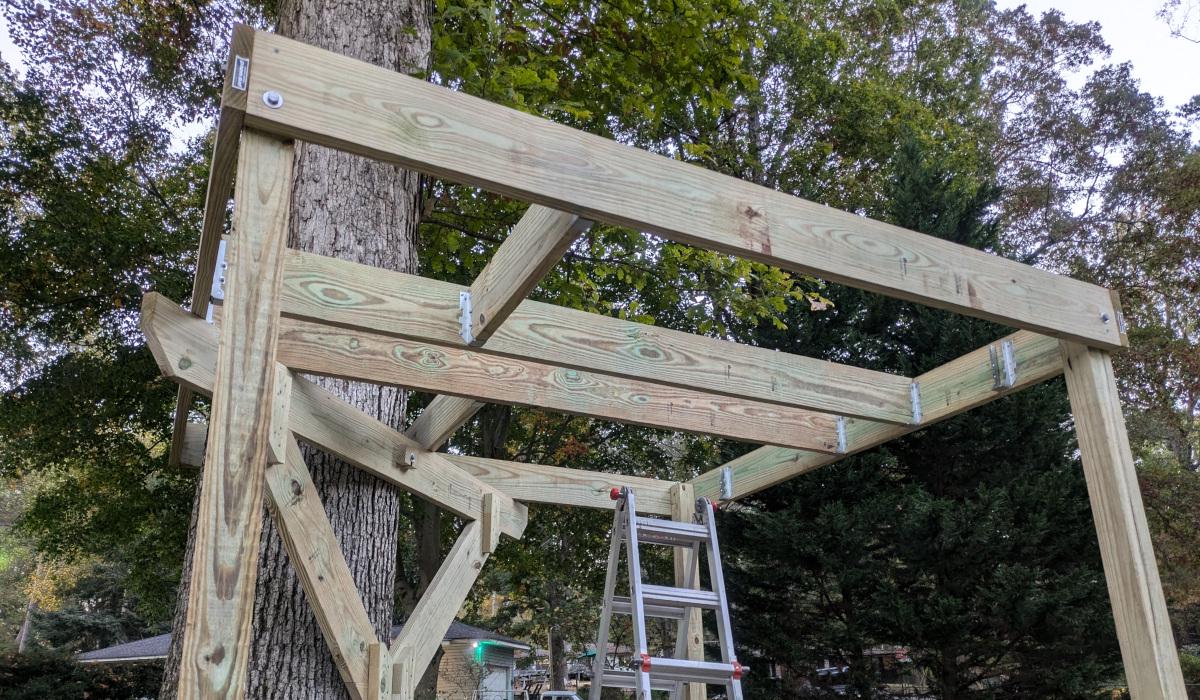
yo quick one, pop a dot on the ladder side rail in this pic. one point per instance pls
(610, 585)
(724, 627)
(641, 677)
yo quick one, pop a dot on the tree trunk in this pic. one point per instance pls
(26, 626)
(356, 209)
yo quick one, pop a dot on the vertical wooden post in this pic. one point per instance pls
(216, 637)
(687, 575)
(1143, 629)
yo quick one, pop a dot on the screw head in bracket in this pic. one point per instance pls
(1104, 318)
(272, 99)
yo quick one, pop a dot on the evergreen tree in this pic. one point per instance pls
(969, 543)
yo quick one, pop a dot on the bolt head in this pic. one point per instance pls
(272, 99)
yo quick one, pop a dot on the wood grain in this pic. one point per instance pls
(314, 553)
(347, 104)
(185, 349)
(326, 290)
(690, 629)
(216, 200)
(441, 418)
(424, 629)
(539, 483)
(216, 636)
(321, 349)
(1143, 626)
(957, 386)
(537, 243)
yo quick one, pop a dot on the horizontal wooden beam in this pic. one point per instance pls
(441, 418)
(539, 483)
(522, 481)
(955, 387)
(350, 295)
(356, 354)
(347, 104)
(185, 348)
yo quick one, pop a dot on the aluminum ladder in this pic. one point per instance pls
(646, 600)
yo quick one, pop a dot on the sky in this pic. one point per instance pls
(1168, 67)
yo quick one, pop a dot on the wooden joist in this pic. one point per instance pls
(340, 102)
(1139, 608)
(353, 296)
(957, 386)
(216, 640)
(356, 354)
(185, 349)
(328, 585)
(539, 483)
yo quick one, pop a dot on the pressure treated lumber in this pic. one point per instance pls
(220, 183)
(536, 244)
(441, 418)
(314, 553)
(424, 629)
(1143, 628)
(343, 103)
(185, 349)
(216, 637)
(957, 386)
(355, 354)
(539, 483)
(350, 295)
(690, 629)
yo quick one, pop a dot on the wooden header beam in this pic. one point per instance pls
(354, 296)
(955, 387)
(340, 102)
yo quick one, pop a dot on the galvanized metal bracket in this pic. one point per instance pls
(464, 318)
(914, 397)
(217, 291)
(841, 434)
(241, 73)
(726, 483)
(1004, 365)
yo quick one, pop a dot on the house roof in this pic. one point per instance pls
(155, 648)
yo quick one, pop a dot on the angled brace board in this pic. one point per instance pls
(186, 347)
(957, 386)
(314, 553)
(537, 242)
(353, 296)
(340, 102)
(355, 354)
(418, 642)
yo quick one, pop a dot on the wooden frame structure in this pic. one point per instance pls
(286, 311)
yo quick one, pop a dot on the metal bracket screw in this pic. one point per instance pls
(272, 99)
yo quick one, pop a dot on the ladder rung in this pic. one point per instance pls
(689, 671)
(680, 597)
(670, 532)
(621, 606)
(613, 678)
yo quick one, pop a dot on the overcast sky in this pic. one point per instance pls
(1168, 67)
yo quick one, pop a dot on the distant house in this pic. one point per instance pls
(477, 664)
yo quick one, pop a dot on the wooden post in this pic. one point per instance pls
(687, 575)
(1143, 629)
(216, 637)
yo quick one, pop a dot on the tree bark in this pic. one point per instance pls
(356, 209)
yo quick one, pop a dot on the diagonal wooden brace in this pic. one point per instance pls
(185, 348)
